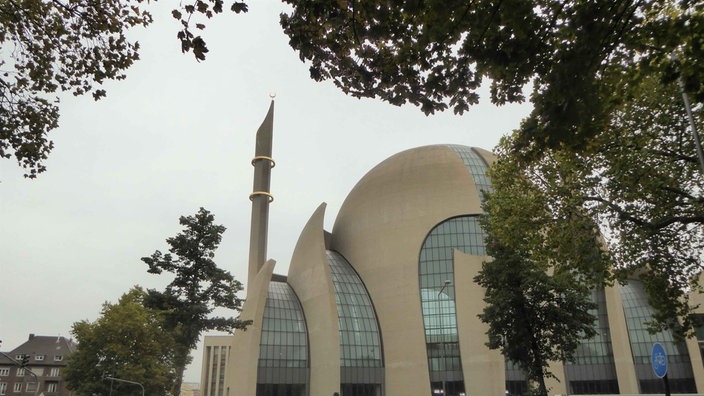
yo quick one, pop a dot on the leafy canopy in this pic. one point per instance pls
(199, 8)
(436, 54)
(198, 287)
(52, 46)
(546, 260)
(640, 186)
(534, 317)
(127, 341)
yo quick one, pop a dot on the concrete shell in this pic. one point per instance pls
(380, 229)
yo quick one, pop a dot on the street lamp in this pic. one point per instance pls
(692, 124)
(442, 335)
(125, 381)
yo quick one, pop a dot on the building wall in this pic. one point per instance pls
(48, 357)
(310, 277)
(483, 367)
(380, 231)
(241, 375)
(190, 388)
(216, 353)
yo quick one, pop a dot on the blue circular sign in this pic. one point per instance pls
(658, 358)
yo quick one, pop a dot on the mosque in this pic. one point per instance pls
(385, 303)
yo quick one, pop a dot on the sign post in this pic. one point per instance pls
(658, 359)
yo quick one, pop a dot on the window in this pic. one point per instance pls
(3, 388)
(4, 371)
(638, 312)
(58, 358)
(20, 372)
(54, 372)
(39, 358)
(18, 387)
(19, 357)
(51, 387)
(31, 386)
(38, 371)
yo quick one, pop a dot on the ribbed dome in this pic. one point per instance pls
(427, 184)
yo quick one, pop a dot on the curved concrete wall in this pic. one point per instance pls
(241, 376)
(380, 229)
(484, 369)
(310, 277)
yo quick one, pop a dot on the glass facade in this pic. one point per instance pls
(700, 333)
(437, 291)
(477, 167)
(437, 283)
(283, 350)
(638, 312)
(516, 379)
(361, 364)
(284, 363)
(593, 370)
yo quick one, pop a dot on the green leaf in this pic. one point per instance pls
(239, 7)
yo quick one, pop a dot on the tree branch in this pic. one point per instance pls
(650, 225)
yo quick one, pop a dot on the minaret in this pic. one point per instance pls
(261, 196)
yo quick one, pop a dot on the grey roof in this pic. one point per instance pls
(4, 360)
(47, 346)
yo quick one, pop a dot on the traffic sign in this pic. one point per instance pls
(658, 358)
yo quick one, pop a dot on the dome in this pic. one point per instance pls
(409, 193)
(381, 228)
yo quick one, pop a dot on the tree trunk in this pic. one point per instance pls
(176, 390)
(180, 365)
(542, 389)
(537, 364)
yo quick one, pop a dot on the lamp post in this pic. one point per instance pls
(442, 334)
(125, 381)
(692, 124)
(36, 380)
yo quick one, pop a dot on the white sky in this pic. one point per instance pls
(177, 135)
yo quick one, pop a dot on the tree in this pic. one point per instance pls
(640, 186)
(127, 341)
(198, 287)
(538, 283)
(203, 8)
(533, 317)
(51, 46)
(577, 54)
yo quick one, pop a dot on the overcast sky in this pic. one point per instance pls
(177, 135)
